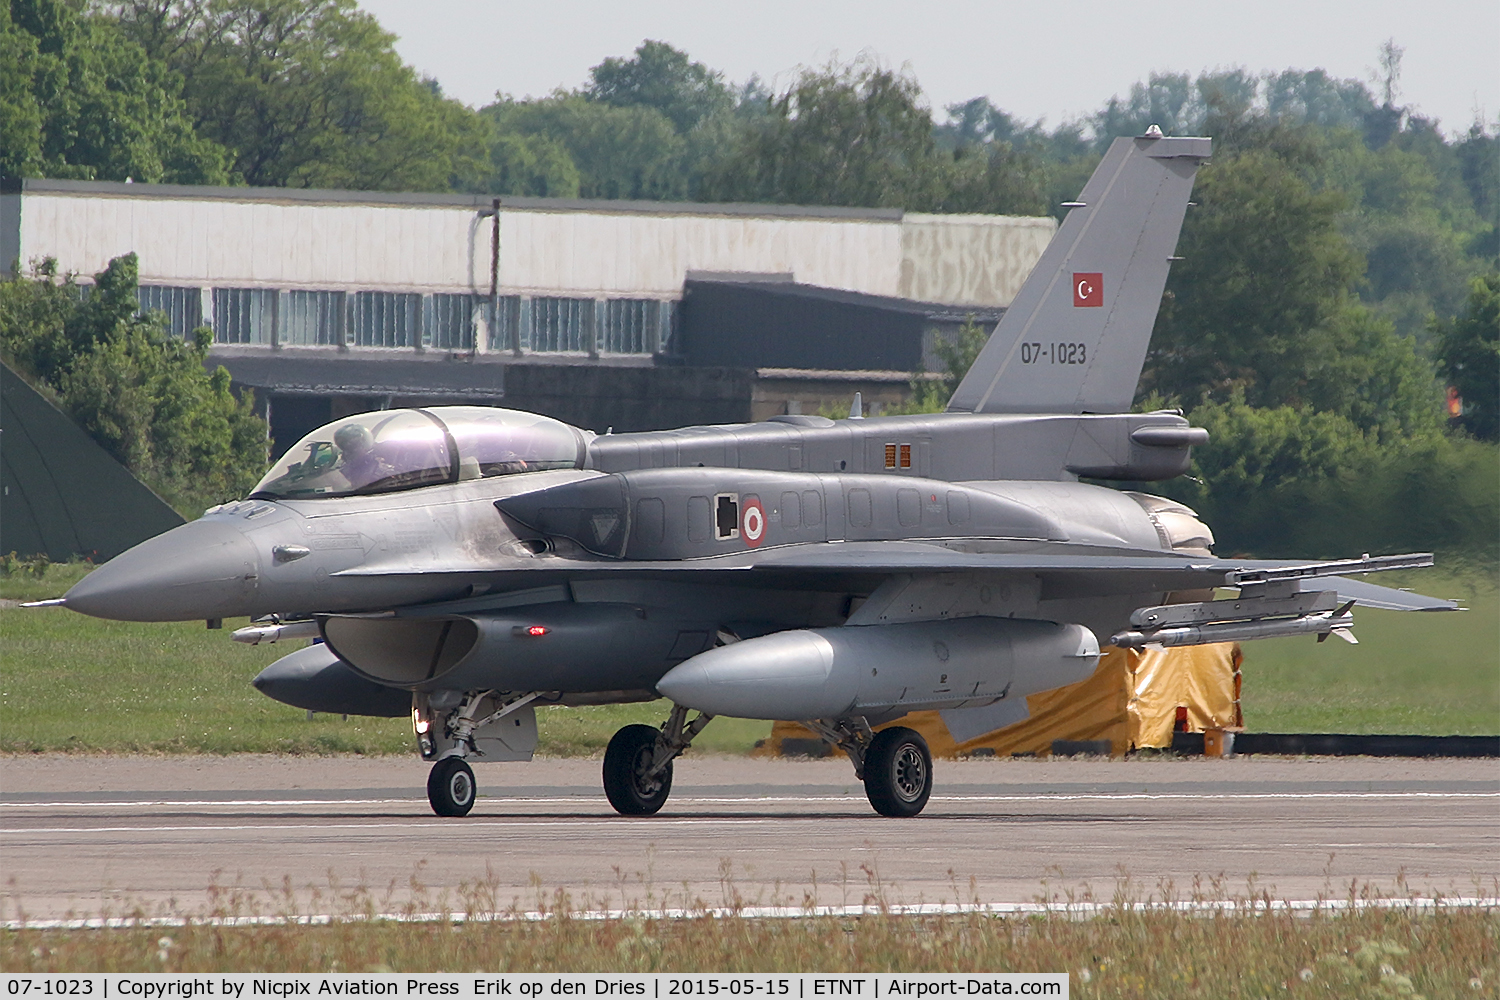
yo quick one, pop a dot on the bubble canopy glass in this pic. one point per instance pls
(393, 450)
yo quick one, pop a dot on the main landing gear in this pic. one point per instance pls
(638, 762)
(894, 764)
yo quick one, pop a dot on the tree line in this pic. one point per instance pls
(1340, 268)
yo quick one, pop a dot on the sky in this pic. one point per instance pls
(1053, 61)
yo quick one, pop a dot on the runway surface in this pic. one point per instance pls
(86, 836)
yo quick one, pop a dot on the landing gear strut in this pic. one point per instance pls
(455, 731)
(638, 762)
(894, 764)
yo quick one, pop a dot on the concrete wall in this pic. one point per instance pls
(228, 237)
(976, 260)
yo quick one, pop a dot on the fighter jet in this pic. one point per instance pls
(467, 564)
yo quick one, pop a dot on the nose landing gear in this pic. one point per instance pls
(486, 725)
(450, 787)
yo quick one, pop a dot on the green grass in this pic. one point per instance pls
(1429, 673)
(574, 732)
(72, 683)
(78, 684)
(19, 582)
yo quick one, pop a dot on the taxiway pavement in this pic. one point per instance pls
(86, 836)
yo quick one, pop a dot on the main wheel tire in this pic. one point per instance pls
(626, 763)
(898, 772)
(451, 788)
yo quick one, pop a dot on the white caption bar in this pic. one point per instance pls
(540, 986)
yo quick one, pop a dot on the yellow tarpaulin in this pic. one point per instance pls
(1131, 700)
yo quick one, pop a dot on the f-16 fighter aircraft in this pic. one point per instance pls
(466, 564)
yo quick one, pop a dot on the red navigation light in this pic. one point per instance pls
(537, 630)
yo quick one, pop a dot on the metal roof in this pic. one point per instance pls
(820, 293)
(471, 202)
(335, 373)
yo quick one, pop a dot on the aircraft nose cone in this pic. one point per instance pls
(203, 569)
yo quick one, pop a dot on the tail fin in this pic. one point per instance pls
(1074, 339)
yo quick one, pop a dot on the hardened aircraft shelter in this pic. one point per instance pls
(635, 315)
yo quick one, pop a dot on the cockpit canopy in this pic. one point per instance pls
(391, 450)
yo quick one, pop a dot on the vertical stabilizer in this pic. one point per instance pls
(1074, 339)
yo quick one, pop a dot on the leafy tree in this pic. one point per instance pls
(534, 165)
(1382, 123)
(1177, 103)
(309, 93)
(997, 180)
(931, 395)
(1468, 351)
(1478, 156)
(664, 78)
(78, 99)
(618, 152)
(1350, 492)
(1263, 303)
(1312, 97)
(855, 135)
(142, 394)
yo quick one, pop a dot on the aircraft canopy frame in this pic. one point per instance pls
(389, 451)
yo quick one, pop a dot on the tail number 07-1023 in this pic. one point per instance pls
(1054, 354)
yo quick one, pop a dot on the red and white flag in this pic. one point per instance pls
(1088, 289)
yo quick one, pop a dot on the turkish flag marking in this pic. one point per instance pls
(1088, 289)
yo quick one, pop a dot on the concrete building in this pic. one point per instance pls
(627, 314)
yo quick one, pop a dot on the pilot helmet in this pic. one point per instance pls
(354, 439)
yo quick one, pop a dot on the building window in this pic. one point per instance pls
(452, 319)
(670, 319)
(313, 318)
(560, 325)
(635, 326)
(509, 330)
(183, 306)
(244, 315)
(385, 319)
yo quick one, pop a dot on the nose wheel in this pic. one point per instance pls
(450, 787)
(898, 772)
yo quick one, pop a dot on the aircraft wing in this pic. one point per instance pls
(1091, 572)
(1372, 595)
(1111, 573)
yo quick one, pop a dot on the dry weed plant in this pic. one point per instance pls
(1131, 940)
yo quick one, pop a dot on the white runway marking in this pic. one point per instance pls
(853, 796)
(1298, 830)
(425, 823)
(1081, 911)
